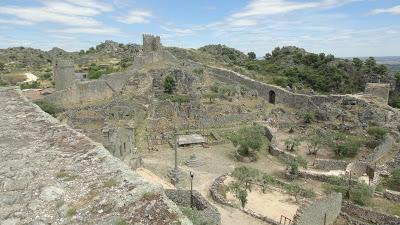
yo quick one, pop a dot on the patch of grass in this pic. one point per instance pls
(71, 212)
(122, 222)
(110, 183)
(149, 196)
(59, 203)
(48, 107)
(66, 176)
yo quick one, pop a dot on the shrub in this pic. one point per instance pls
(344, 145)
(249, 139)
(360, 194)
(378, 133)
(169, 84)
(308, 116)
(48, 107)
(30, 85)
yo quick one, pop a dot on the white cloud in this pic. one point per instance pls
(393, 10)
(15, 22)
(88, 30)
(92, 4)
(76, 13)
(272, 7)
(136, 17)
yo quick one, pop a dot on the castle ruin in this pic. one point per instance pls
(64, 74)
(151, 43)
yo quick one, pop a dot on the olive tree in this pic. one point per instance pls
(249, 140)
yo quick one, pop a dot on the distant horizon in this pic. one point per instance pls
(345, 28)
(258, 56)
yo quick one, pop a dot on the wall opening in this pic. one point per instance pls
(271, 98)
(124, 146)
(120, 150)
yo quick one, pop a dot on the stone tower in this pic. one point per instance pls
(151, 43)
(64, 73)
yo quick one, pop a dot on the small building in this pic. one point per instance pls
(191, 139)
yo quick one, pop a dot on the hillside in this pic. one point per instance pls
(289, 67)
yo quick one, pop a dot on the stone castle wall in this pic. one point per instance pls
(315, 212)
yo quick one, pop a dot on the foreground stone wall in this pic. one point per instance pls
(315, 212)
(182, 198)
(51, 174)
(369, 215)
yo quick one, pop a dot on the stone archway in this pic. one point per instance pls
(271, 98)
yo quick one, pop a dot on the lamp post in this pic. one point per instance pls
(191, 189)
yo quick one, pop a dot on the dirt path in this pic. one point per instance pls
(30, 77)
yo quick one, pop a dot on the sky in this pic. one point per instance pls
(342, 27)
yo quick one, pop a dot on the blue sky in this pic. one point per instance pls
(340, 27)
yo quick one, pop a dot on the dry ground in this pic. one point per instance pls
(218, 160)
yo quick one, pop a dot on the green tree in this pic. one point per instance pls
(252, 55)
(292, 144)
(395, 179)
(244, 175)
(169, 84)
(266, 179)
(292, 164)
(2, 66)
(315, 143)
(358, 63)
(239, 192)
(381, 69)
(267, 56)
(249, 139)
(397, 77)
(370, 63)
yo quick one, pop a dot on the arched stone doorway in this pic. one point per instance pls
(271, 98)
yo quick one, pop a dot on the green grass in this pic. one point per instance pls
(122, 222)
(385, 206)
(71, 212)
(110, 183)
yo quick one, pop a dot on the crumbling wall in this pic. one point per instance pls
(330, 164)
(327, 209)
(378, 91)
(369, 214)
